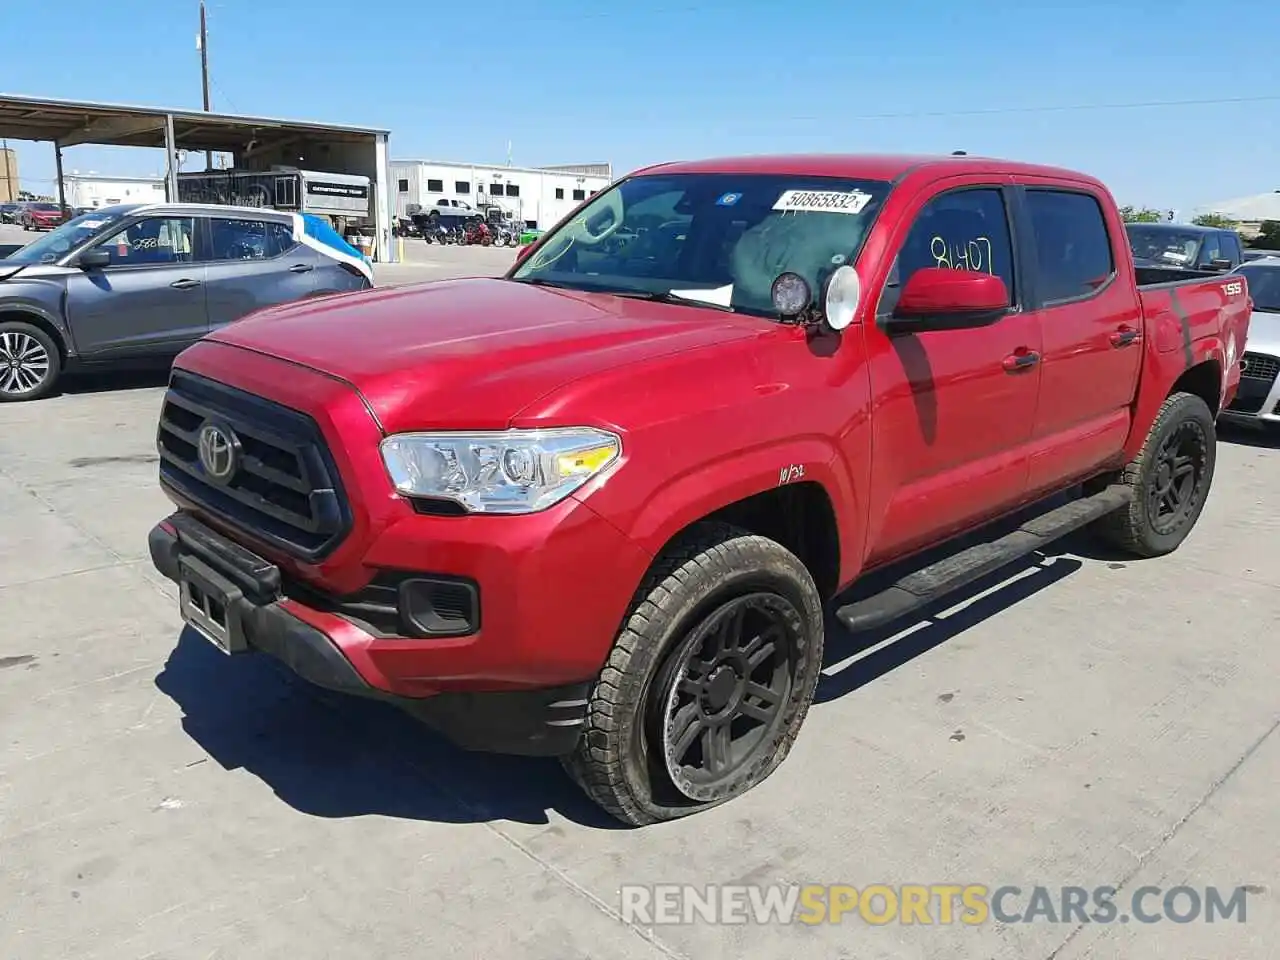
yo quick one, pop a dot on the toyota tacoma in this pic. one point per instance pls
(594, 508)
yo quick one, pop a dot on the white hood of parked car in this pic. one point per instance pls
(1264, 333)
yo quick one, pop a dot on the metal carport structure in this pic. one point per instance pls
(256, 143)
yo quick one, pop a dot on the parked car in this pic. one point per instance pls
(1184, 250)
(141, 282)
(1258, 400)
(9, 212)
(593, 508)
(41, 216)
(1254, 253)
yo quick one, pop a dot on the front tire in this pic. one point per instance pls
(708, 681)
(1170, 478)
(30, 363)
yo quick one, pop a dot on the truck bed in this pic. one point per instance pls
(1161, 276)
(1182, 313)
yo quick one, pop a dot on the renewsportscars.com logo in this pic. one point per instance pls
(929, 904)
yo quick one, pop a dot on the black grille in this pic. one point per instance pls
(286, 490)
(1259, 366)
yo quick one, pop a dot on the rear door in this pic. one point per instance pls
(953, 410)
(1092, 328)
(254, 263)
(149, 300)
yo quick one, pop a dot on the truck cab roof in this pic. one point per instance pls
(889, 167)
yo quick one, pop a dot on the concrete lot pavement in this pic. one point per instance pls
(1087, 720)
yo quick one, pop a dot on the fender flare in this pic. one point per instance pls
(710, 487)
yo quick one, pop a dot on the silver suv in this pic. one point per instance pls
(142, 282)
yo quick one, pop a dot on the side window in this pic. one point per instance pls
(153, 240)
(1211, 250)
(965, 229)
(1231, 247)
(1073, 249)
(279, 239)
(242, 239)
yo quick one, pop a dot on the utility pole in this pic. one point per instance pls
(10, 191)
(203, 43)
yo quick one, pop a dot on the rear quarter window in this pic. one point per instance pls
(1072, 247)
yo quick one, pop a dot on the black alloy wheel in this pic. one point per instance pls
(726, 689)
(1177, 485)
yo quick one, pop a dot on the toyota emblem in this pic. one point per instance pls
(1244, 364)
(219, 452)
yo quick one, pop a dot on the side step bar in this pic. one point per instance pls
(949, 574)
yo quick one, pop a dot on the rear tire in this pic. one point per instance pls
(30, 363)
(708, 681)
(1170, 477)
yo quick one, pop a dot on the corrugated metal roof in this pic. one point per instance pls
(86, 121)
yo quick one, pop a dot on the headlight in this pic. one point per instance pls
(512, 471)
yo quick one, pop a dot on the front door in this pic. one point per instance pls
(149, 300)
(252, 264)
(952, 413)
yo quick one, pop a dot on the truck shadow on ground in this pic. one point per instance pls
(135, 378)
(329, 755)
(1248, 436)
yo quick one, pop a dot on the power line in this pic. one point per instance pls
(1065, 108)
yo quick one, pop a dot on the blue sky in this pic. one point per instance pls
(634, 83)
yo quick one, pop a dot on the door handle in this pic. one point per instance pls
(301, 268)
(184, 284)
(1022, 360)
(1123, 337)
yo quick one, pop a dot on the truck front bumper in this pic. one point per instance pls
(238, 601)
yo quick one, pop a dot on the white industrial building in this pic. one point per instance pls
(92, 190)
(538, 196)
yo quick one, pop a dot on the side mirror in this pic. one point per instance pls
(1220, 264)
(937, 298)
(524, 251)
(95, 258)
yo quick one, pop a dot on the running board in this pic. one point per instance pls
(947, 575)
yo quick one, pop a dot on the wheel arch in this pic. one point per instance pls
(791, 494)
(37, 318)
(1204, 380)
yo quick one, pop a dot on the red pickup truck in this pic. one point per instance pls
(594, 508)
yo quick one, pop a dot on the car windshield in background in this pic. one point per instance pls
(715, 238)
(1264, 285)
(1176, 248)
(45, 207)
(55, 245)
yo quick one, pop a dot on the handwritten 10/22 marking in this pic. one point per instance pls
(973, 255)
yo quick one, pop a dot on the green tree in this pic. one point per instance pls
(1219, 220)
(1268, 237)
(1132, 214)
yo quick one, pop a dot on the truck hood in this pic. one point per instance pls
(471, 354)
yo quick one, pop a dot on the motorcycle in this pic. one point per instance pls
(478, 233)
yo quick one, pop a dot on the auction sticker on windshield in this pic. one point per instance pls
(822, 201)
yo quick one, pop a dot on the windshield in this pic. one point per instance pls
(1174, 247)
(57, 244)
(1264, 286)
(44, 207)
(716, 238)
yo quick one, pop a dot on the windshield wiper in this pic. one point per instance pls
(667, 296)
(542, 282)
